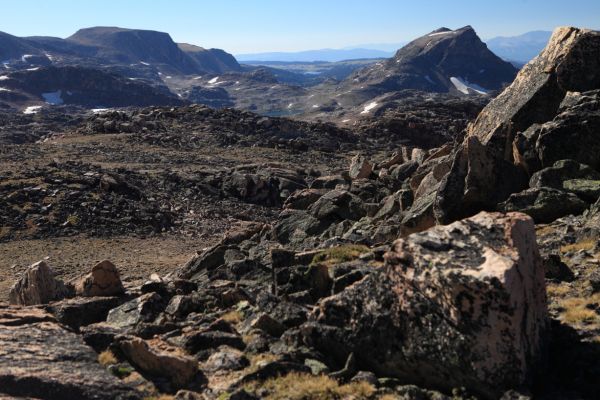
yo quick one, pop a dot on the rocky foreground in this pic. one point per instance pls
(466, 270)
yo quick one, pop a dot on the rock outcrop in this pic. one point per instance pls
(40, 359)
(457, 305)
(507, 130)
(37, 286)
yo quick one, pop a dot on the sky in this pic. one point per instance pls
(249, 26)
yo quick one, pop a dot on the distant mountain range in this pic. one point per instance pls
(520, 48)
(329, 55)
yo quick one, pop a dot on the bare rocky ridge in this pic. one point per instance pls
(319, 266)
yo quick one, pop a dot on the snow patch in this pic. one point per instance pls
(441, 33)
(196, 78)
(4, 77)
(214, 80)
(429, 79)
(33, 69)
(25, 57)
(5, 90)
(463, 86)
(53, 98)
(100, 110)
(32, 110)
(290, 105)
(369, 107)
(144, 63)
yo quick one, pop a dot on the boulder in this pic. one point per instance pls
(478, 180)
(560, 171)
(544, 205)
(457, 305)
(41, 359)
(103, 280)
(78, 312)
(159, 359)
(586, 189)
(142, 309)
(360, 168)
(573, 132)
(37, 286)
(338, 205)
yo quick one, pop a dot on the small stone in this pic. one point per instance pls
(360, 168)
(267, 324)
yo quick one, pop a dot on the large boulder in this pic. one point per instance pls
(103, 280)
(41, 359)
(457, 305)
(570, 62)
(37, 286)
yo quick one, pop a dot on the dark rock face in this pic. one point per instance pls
(544, 205)
(479, 323)
(578, 122)
(41, 359)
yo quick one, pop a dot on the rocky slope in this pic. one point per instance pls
(347, 285)
(29, 90)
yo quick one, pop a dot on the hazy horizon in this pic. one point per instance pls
(242, 27)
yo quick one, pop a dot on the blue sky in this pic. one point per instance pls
(243, 26)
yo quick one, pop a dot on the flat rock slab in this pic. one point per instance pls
(41, 359)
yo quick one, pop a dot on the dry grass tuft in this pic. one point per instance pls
(299, 386)
(340, 254)
(233, 317)
(557, 290)
(585, 244)
(107, 358)
(579, 310)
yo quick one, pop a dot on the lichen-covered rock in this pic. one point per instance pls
(37, 286)
(457, 305)
(41, 359)
(103, 280)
